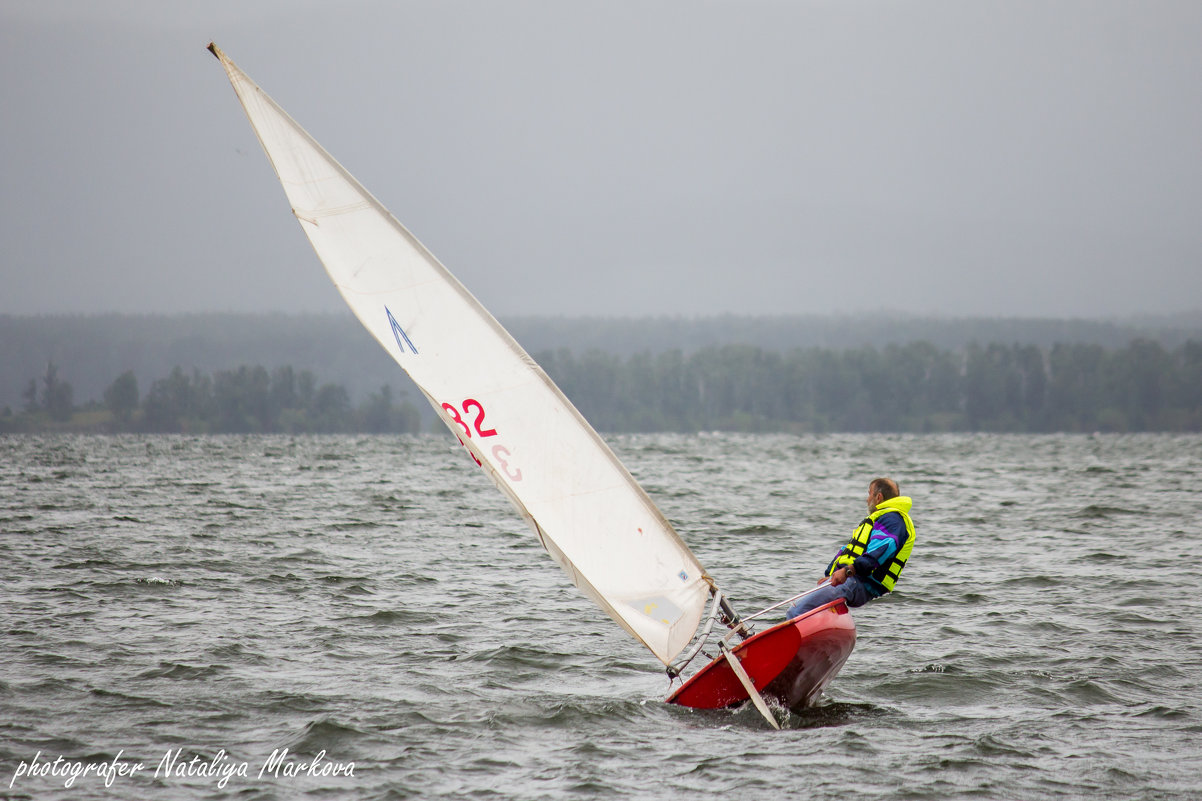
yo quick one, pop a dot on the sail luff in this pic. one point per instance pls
(588, 511)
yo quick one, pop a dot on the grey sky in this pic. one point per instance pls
(618, 158)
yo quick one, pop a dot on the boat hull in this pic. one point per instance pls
(791, 662)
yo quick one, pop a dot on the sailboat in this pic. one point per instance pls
(586, 509)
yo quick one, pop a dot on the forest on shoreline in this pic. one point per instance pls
(90, 351)
(243, 400)
(915, 387)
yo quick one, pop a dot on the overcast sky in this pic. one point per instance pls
(617, 158)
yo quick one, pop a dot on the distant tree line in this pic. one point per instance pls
(903, 388)
(90, 350)
(916, 387)
(243, 400)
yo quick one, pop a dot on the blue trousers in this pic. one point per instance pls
(852, 590)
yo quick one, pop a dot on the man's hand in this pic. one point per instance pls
(839, 576)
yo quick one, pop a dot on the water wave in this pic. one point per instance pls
(256, 593)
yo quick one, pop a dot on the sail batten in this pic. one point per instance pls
(587, 511)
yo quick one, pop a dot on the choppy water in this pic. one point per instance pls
(377, 599)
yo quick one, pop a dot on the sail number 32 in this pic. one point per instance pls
(474, 411)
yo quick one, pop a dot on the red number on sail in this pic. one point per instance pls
(469, 453)
(501, 454)
(472, 402)
(451, 410)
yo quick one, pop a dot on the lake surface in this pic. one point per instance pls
(196, 604)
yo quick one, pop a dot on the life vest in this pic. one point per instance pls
(885, 575)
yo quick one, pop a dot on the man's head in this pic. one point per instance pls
(880, 490)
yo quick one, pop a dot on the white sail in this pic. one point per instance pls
(588, 512)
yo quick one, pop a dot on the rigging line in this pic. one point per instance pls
(676, 667)
(821, 584)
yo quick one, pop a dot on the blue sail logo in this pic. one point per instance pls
(402, 339)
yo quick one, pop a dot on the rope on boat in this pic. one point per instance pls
(762, 612)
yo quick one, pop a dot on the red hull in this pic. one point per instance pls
(791, 662)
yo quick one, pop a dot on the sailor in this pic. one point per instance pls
(868, 566)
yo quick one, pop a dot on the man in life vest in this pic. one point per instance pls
(868, 566)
